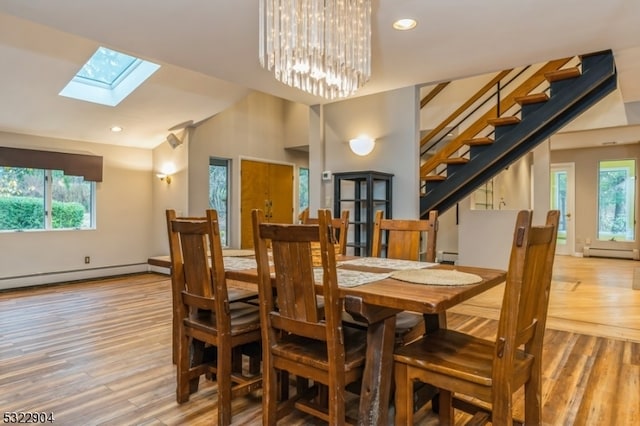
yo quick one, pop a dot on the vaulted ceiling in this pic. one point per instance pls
(209, 55)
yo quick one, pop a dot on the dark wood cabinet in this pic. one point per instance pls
(362, 193)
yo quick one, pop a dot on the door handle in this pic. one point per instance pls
(268, 207)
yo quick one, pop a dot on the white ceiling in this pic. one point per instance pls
(208, 50)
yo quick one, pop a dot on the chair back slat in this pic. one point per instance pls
(294, 279)
(293, 267)
(401, 238)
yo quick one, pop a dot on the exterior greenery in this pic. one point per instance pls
(28, 213)
(616, 200)
(24, 200)
(218, 190)
(303, 188)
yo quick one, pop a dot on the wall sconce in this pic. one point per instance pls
(164, 177)
(167, 170)
(362, 145)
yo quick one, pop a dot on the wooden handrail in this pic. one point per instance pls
(432, 94)
(483, 90)
(507, 102)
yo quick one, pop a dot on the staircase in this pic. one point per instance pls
(449, 176)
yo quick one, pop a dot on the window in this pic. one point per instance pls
(36, 199)
(616, 200)
(108, 77)
(303, 188)
(218, 194)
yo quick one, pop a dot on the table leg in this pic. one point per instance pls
(376, 381)
(378, 369)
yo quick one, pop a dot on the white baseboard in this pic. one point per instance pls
(64, 276)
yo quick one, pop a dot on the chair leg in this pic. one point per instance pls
(403, 395)
(236, 359)
(532, 405)
(502, 407)
(254, 365)
(197, 357)
(270, 391)
(302, 385)
(225, 383)
(254, 352)
(336, 403)
(175, 336)
(446, 408)
(182, 370)
(322, 397)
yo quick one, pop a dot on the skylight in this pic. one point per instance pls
(108, 77)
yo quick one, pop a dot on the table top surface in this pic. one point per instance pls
(393, 293)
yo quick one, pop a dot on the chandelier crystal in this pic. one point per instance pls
(322, 47)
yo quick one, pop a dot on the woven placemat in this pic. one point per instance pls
(436, 277)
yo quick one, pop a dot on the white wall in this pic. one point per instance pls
(485, 236)
(169, 196)
(392, 119)
(122, 240)
(254, 128)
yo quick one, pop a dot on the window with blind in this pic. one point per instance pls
(41, 190)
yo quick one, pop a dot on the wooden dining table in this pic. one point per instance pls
(376, 303)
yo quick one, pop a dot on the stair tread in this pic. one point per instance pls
(455, 160)
(434, 178)
(478, 141)
(562, 74)
(533, 98)
(503, 121)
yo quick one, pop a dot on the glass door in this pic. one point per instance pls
(562, 198)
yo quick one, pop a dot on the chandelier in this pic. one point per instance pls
(322, 47)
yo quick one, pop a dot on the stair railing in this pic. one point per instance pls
(436, 147)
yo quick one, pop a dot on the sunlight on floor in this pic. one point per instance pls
(591, 296)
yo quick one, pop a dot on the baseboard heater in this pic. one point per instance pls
(55, 277)
(447, 257)
(613, 253)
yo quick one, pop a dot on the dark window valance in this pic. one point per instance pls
(87, 166)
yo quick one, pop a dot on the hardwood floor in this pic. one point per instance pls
(591, 296)
(100, 352)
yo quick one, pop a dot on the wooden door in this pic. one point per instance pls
(265, 186)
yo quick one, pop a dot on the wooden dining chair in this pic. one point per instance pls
(338, 230)
(490, 371)
(207, 317)
(235, 294)
(402, 239)
(297, 336)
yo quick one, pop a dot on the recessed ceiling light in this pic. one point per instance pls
(405, 24)
(116, 129)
